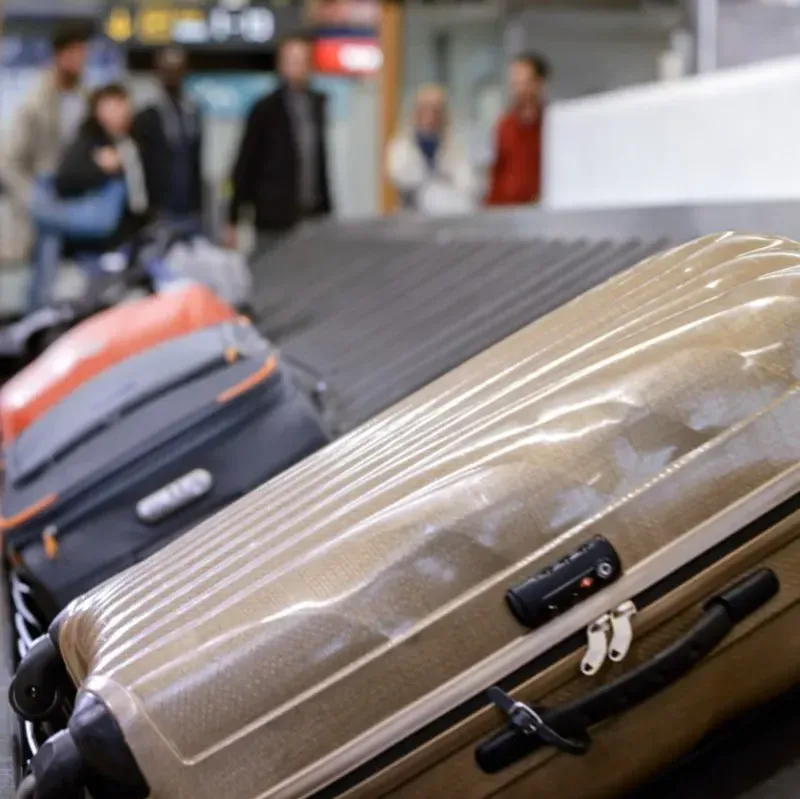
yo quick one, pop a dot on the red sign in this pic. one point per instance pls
(348, 56)
(344, 13)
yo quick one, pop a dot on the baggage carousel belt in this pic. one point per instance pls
(378, 317)
(379, 320)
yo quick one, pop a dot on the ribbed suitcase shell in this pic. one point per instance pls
(98, 343)
(359, 596)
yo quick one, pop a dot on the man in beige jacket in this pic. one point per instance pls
(47, 121)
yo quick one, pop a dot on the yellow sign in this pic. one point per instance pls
(152, 26)
(119, 25)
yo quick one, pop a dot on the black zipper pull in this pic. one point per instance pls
(526, 720)
(503, 702)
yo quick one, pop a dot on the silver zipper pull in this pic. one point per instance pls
(621, 631)
(597, 645)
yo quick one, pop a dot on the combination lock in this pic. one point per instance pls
(564, 584)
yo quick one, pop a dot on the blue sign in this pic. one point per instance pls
(229, 96)
(226, 96)
(24, 52)
(105, 61)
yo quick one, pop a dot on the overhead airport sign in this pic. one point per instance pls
(223, 24)
(345, 56)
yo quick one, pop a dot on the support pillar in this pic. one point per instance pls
(390, 90)
(704, 22)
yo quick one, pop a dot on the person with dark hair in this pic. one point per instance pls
(104, 151)
(281, 170)
(45, 124)
(516, 171)
(170, 134)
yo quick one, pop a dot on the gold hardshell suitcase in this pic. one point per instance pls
(549, 573)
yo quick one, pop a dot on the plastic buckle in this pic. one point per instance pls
(529, 722)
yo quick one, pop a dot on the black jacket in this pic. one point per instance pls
(79, 174)
(267, 169)
(158, 152)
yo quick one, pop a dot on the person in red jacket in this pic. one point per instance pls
(516, 171)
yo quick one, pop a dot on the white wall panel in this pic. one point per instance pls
(593, 51)
(732, 135)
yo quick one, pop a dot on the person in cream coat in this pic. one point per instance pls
(430, 168)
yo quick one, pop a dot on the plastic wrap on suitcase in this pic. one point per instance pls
(554, 569)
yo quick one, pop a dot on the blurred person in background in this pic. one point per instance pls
(103, 151)
(45, 124)
(282, 167)
(430, 169)
(515, 175)
(169, 133)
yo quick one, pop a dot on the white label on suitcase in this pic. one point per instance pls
(174, 496)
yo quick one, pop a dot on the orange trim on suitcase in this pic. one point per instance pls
(270, 365)
(26, 515)
(100, 342)
(268, 368)
(50, 544)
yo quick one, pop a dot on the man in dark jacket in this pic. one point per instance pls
(282, 168)
(170, 137)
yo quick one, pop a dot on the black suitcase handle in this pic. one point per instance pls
(566, 727)
(41, 683)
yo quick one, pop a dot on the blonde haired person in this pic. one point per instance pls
(430, 169)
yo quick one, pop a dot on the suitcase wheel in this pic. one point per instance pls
(56, 771)
(91, 755)
(40, 684)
